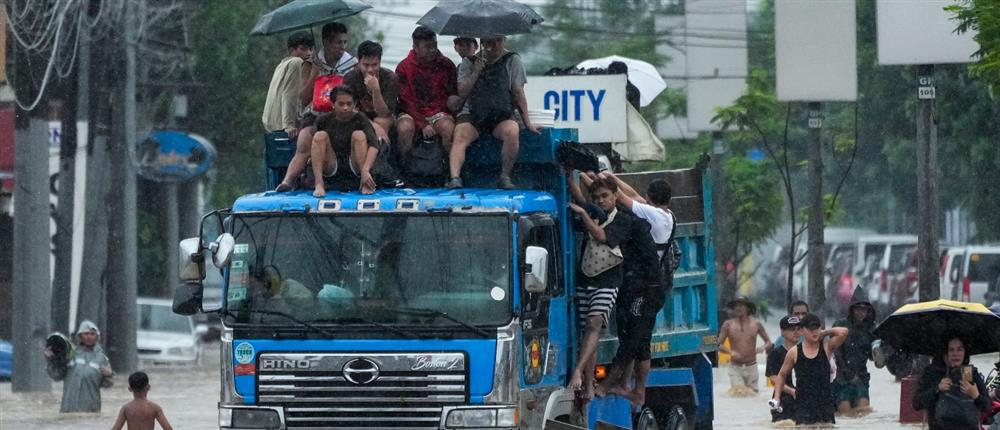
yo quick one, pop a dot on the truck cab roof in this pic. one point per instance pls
(400, 200)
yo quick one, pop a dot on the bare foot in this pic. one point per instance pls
(588, 391)
(282, 187)
(576, 381)
(366, 188)
(320, 191)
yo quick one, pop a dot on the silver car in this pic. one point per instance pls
(165, 337)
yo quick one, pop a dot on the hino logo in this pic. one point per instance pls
(430, 362)
(282, 363)
(360, 371)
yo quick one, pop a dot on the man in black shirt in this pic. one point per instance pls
(345, 145)
(775, 357)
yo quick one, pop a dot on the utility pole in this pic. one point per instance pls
(121, 307)
(816, 208)
(727, 288)
(927, 189)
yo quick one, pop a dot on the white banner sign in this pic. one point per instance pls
(592, 104)
(815, 48)
(921, 32)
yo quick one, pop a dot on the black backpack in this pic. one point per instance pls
(491, 100)
(425, 166)
(672, 254)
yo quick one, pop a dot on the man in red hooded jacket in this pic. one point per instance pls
(426, 80)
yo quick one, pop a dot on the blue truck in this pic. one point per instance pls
(435, 308)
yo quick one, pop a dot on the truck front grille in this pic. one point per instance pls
(362, 391)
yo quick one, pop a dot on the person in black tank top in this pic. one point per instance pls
(814, 391)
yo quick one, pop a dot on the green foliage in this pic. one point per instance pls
(983, 17)
(754, 202)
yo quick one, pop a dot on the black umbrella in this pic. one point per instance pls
(480, 18)
(922, 328)
(306, 13)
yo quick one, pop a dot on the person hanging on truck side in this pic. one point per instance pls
(494, 86)
(426, 80)
(345, 144)
(282, 108)
(376, 87)
(319, 74)
(600, 275)
(645, 288)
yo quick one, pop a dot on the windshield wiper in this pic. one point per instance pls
(439, 314)
(361, 320)
(281, 314)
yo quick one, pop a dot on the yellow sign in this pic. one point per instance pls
(710, 339)
(661, 346)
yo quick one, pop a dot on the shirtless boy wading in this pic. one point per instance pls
(742, 331)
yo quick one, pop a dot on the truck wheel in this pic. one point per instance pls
(676, 419)
(646, 420)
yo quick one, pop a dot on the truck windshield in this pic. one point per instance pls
(370, 269)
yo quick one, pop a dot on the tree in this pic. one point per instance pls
(983, 17)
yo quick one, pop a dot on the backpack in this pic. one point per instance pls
(956, 411)
(491, 100)
(672, 254)
(425, 165)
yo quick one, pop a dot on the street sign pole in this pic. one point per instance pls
(927, 188)
(815, 256)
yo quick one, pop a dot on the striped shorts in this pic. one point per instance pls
(593, 301)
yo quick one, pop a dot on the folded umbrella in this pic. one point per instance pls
(643, 75)
(306, 13)
(480, 18)
(922, 328)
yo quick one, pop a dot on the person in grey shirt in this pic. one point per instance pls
(492, 85)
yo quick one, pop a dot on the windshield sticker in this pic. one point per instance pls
(498, 293)
(244, 353)
(238, 264)
(237, 294)
(241, 248)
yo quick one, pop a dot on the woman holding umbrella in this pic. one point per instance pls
(951, 390)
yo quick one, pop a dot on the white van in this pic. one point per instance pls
(878, 258)
(979, 272)
(952, 261)
(838, 244)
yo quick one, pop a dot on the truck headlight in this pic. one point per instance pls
(249, 418)
(482, 417)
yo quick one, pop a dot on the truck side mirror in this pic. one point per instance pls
(192, 260)
(187, 298)
(222, 250)
(537, 277)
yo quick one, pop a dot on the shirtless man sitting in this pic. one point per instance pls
(742, 331)
(140, 413)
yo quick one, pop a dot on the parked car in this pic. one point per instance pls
(883, 257)
(836, 240)
(979, 273)
(952, 260)
(6, 360)
(165, 337)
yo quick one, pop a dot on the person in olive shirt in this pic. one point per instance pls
(376, 87)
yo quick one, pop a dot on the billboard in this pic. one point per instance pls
(921, 32)
(816, 50)
(592, 104)
(715, 38)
